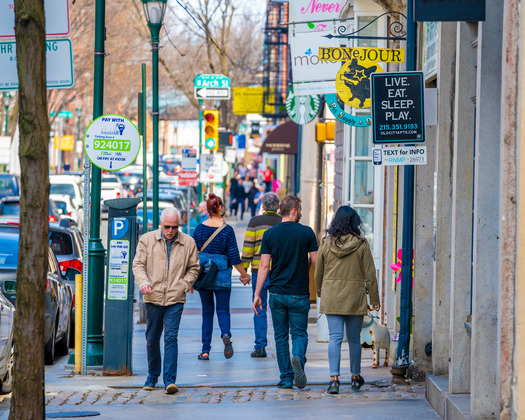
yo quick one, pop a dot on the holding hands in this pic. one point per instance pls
(245, 278)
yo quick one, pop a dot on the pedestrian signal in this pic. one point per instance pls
(211, 129)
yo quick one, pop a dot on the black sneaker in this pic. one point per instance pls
(258, 353)
(228, 347)
(333, 388)
(299, 375)
(357, 382)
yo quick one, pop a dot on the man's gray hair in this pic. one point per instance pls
(270, 202)
(169, 211)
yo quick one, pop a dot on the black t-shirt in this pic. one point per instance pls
(289, 244)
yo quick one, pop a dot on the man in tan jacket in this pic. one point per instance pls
(165, 266)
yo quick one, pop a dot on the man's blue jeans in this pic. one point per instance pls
(260, 320)
(290, 317)
(222, 305)
(160, 318)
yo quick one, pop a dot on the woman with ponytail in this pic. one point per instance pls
(223, 251)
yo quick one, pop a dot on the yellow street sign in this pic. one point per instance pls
(65, 143)
(249, 100)
(382, 55)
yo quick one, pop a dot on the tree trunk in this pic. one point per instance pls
(28, 388)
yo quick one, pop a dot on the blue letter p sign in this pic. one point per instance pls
(119, 227)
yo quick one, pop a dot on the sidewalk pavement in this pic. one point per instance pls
(245, 384)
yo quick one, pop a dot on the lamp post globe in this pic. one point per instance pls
(154, 11)
(6, 100)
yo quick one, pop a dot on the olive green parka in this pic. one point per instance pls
(344, 273)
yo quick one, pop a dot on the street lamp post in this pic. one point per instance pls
(6, 100)
(154, 11)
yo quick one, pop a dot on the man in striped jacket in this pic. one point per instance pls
(251, 254)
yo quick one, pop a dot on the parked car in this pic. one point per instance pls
(149, 212)
(67, 209)
(7, 310)
(111, 187)
(132, 178)
(9, 185)
(67, 184)
(58, 294)
(10, 206)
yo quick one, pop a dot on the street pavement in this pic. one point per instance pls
(241, 387)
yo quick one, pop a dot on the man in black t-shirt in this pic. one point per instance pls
(287, 245)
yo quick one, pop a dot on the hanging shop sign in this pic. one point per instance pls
(302, 109)
(345, 117)
(381, 55)
(353, 82)
(310, 75)
(315, 15)
(398, 113)
(449, 10)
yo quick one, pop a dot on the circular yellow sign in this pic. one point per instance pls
(353, 82)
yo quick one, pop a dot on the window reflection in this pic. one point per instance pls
(364, 182)
(367, 219)
(363, 141)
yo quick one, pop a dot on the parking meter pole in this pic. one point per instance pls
(78, 322)
(200, 148)
(95, 296)
(122, 245)
(144, 154)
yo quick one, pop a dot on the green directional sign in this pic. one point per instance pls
(62, 114)
(216, 81)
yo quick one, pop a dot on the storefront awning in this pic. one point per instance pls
(282, 140)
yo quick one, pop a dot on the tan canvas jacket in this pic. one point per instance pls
(343, 276)
(150, 266)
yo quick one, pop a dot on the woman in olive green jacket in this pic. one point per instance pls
(344, 274)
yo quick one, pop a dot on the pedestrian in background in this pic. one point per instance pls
(258, 198)
(251, 199)
(239, 197)
(344, 274)
(287, 245)
(165, 266)
(267, 178)
(202, 212)
(223, 251)
(251, 255)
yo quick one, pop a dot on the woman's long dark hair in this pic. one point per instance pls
(345, 222)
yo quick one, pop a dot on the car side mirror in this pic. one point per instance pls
(71, 273)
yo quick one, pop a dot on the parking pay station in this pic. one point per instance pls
(118, 324)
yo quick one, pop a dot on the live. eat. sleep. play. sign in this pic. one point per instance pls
(398, 107)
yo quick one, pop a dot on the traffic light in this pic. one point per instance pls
(211, 129)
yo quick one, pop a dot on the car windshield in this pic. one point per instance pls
(60, 243)
(67, 189)
(9, 251)
(62, 206)
(10, 208)
(7, 186)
